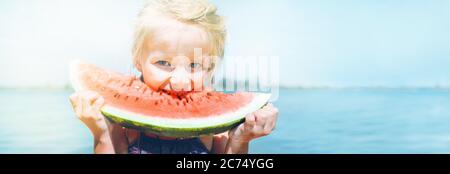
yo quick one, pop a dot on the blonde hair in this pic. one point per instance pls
(197, 12)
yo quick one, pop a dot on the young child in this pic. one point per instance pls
(167, 33)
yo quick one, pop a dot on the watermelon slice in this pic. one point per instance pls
(132, 104)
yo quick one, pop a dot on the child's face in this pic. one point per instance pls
(171, 63)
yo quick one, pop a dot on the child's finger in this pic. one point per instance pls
(250, 121)
(268, 127)
(98, 103)
(258, 129)
(267, 108)
(90, 97)
(274, 119)
(264, 122)
(274, 125)
(93, 98)
(88, 100)
(79, 108)
(76, 104)
(271, 113)
(73, 100)
(96, 108)
(84, 106)
(273, 110)
(261, 117)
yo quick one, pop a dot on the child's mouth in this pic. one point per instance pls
(179, 94)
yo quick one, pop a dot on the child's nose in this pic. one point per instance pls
(180, 80)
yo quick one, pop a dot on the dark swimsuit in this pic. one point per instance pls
(149, 145)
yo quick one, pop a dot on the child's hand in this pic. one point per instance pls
(257, 124)
(86, 105)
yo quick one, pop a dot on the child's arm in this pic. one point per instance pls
(257, 124)
(103, 145)
(86, 105)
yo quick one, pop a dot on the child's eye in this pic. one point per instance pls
(195, 66)
(163, 63)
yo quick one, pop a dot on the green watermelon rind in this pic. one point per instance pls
(180, 128)
(173, 132)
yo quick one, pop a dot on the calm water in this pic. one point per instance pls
(311, 121)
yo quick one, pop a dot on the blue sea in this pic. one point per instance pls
(311, 121)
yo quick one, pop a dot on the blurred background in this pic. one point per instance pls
(355, 76)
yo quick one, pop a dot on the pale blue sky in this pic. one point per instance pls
(347, 42)
(341, 43)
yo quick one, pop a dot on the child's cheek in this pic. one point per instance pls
(155, 78)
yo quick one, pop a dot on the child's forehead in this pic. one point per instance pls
(178, 38)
